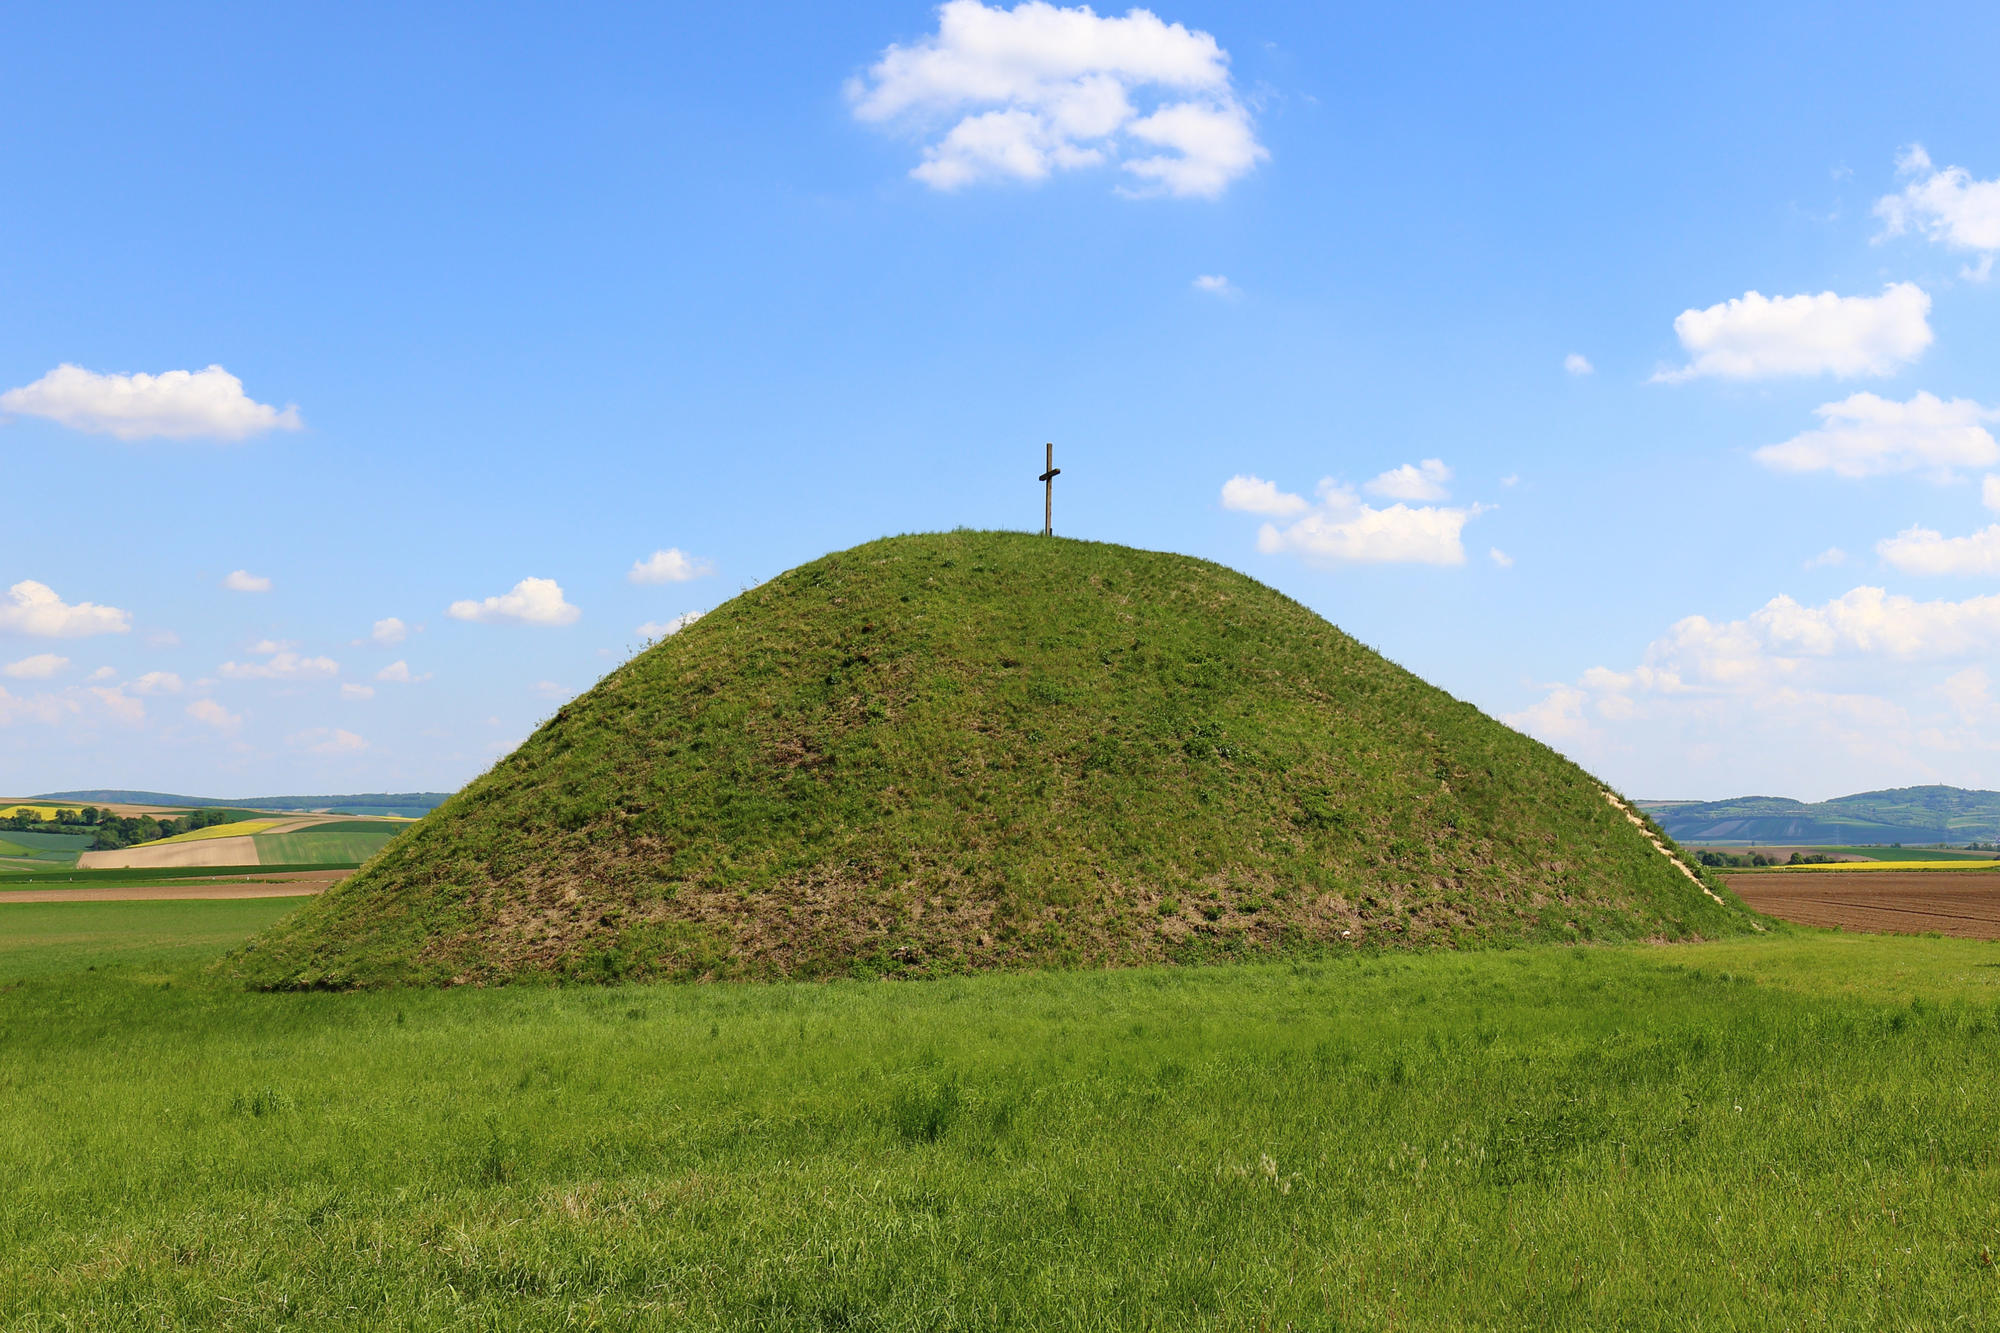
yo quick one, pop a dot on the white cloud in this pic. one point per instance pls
(1557, 717)
(1969, 692)
(1866, 435)
(1217, 285)
(1254, 495)
(34, 609)
(672, 565)
(1757, 337)
(119, 704)
(530, 602)
(103, 673)
(282, 664)
(47, 709)
(1920, 550)
(243, 580)
(1947, 206)
(549, 689)
(398, 673)
(390, 629)
(39, 667)
(1210, 146)
(1500, 557)
(1341, 527)
(660, 629)
(328, 741)
(157, 682)
(351, 691)
(1421, 481)
(1831, 556)
(1841, 695)
(1989, 492)
(1576, 363)
(177, 405)
(210, 713)
(273, 645)
(1033, 90)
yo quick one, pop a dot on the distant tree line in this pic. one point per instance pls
(1745, 860)
(1735, 860)
(109, 831)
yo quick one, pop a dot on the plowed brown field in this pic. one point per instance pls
(1950, 902)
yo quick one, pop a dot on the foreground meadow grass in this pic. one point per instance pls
(1797, 1131)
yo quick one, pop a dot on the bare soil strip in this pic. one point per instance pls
(301, 885)
(1949, 902)
(231, 851)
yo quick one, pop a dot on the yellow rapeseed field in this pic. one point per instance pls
(1961, 863)
(235, 830)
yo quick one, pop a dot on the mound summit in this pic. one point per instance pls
(977, 750)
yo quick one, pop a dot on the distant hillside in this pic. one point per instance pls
(415, 804)
(1903, 814)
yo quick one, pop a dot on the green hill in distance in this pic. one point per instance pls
(937, 753)
(1911, 815)
(410, 804)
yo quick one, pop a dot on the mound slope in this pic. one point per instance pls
(970, 750)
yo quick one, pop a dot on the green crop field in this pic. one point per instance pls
(1794, 1130)
(387, 827)
(40, 875)
(49, 842)
(320, 848)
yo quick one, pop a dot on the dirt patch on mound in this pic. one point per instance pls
(1951, 902)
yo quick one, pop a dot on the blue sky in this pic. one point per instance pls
(508, 300)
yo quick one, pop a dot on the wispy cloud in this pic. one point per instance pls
(1869, 436)
(660, 629)
(39, 667)
(672, 565)
(1339, 526)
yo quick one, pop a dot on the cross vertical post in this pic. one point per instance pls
(1048, 480)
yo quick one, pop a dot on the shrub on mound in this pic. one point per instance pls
(975, 750)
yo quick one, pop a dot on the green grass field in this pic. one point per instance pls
(326, 846)
(1789, 1131)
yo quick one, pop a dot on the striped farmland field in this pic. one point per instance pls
(318, 847)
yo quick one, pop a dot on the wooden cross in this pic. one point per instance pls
(1048, 480)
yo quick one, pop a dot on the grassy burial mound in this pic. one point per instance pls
(978, 750)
